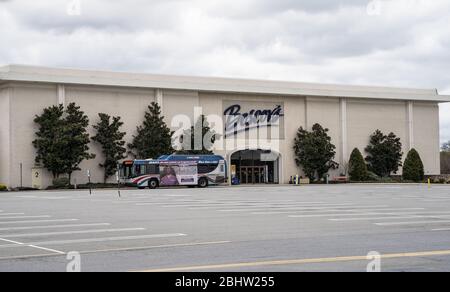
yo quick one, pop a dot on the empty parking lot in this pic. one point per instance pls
(274, 228)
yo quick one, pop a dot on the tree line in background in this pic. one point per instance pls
(62, 141)
(445, 158)
(315, 152)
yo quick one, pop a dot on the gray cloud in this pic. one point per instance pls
(406, 44)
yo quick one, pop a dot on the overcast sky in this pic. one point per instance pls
(391, 42)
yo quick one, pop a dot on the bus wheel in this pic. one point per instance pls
(203, 182)
(153, 184)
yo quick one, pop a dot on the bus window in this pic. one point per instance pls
(138, 170)
(152, 169)
(207, 168)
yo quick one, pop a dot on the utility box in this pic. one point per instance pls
(36, 178)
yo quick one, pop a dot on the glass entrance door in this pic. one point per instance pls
(257, 175)
(253, 174)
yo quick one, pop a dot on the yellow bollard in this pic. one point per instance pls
(429, 182)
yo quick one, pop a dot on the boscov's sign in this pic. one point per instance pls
(241, 116)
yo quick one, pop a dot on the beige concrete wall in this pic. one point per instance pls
(27, 101)
(129, 104)
(5, 135)
(326, 112)
(426, 135)
(365, 117)
(295, 112)
(177, 102)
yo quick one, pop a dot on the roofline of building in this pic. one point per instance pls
(22, 73)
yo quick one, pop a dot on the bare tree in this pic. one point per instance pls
(445, 162)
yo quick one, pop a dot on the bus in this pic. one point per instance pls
(175, 170)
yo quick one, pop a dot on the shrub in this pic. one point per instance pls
(3, 188)
(371, 176)
(384, 153)
(357, 166)
(62, 182)
(99, 186)
(413, 169)
(388, 180)
(314, 152)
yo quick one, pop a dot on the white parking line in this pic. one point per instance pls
(136, 202)
(70, 232)
(105, 239)
(411, 223)
(333, 215)
(53, 198)
(304, 208)
(16, 243)
(157, 246)
(134, 248)
(47, 249)
(259, 208)
(263, 206)
(25, 217)
(207, 204)
(54, 226)
(334, 210)
(38, 221)
(10, 214)
(350, 214)
(387, 217)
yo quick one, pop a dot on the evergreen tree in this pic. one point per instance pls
(111, 139)
(357, 166)
(75, 131)
(50, 143)
(314, 152)
(62, 139)
(196, 145)
(154, 137)
(413, 168)
(384, 154)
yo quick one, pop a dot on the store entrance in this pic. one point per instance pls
(255, 167)
(253, 174)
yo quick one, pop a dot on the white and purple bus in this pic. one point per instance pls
(175, 170)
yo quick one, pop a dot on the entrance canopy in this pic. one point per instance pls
(255, 167)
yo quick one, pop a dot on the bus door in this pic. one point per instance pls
(126, 170)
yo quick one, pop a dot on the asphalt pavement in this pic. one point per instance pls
(248, 228)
